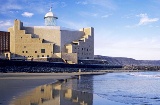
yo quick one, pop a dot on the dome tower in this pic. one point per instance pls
(50, 18)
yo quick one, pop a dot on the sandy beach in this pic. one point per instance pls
(14, 84)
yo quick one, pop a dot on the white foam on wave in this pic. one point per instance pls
(145, 75)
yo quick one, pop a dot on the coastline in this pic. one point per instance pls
(14, 84)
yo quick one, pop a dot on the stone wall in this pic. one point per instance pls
(70, 58)
(84, 47)
(23, 45)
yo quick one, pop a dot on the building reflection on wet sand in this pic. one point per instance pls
(60, 93)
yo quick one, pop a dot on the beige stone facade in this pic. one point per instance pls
(51, 42)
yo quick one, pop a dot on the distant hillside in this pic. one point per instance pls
(128, 61)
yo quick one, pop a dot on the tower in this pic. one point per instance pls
(50, 18)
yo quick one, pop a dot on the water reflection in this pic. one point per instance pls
(68, 92)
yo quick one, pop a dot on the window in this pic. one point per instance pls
(82, 48)
(42, 55)
(35, 51)
(42, 50)
(26, 51)
(37, 55)
(22, 51)
(47, 55)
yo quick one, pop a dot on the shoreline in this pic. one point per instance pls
(46, 75)
(14, 84)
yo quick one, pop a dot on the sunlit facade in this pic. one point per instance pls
(50, 42)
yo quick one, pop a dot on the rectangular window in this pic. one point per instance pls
(26, 51)
(42, 55)
(35, 51)
(22, 51)
(47, 55)
(42, 50)
(37, 55)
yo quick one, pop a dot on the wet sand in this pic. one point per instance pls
(14, 84)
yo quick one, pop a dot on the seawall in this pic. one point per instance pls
(32, 66)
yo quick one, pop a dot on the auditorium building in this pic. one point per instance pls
(51, 42)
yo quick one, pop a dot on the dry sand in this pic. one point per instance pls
(13, 84)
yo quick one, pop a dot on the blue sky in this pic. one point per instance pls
(123, 28)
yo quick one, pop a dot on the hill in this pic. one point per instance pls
(127, 61)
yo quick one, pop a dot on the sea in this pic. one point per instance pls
(122, 88)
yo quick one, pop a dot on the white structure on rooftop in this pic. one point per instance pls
(50, 18)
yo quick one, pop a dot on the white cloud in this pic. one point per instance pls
(86, 14)
(82, 2)
(13, 6)
(27, 14)
(10, 5)
(71, 24)
(145, 20)
(4, 25)
(106, 16)
(102, 3)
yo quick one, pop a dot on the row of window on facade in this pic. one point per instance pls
(83, 53)
(42, 51)
(83, 49)
(83, 57)
(38, 56)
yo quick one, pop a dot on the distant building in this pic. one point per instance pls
(4, 42)
(51, 42)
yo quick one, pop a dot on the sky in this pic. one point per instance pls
(122, 28)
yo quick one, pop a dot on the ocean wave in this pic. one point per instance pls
(145, 75)
(131, 99)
